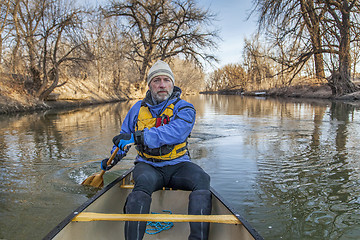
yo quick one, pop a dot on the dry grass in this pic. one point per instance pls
(304, 87)
(13, 94)
(302, 91)
(14, 97)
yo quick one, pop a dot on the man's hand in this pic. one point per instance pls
(116, 159)
(123, 139)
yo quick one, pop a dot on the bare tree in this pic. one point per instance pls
(338, 29)
(48, 34)
(293, 21)
(108, 46)
(312, 18)
(27, 16)
(187, 76)
(62, 43)
(355, 53)
(5, 8)
(213, 81)
(235, 76)
(229, 77)
(257, 61)
(329, 25)
(162, 29)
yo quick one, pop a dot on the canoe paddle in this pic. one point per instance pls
(97, 180)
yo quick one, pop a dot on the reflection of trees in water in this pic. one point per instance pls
(254, 107)
(305, 173)
(311, 180)
(30, 143)
(46, 130)
(302, 153)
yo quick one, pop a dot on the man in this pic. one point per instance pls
(159, 126)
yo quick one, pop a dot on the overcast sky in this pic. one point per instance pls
(234, 27)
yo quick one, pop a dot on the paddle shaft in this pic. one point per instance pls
(110, 160)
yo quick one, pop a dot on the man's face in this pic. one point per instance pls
(161, 88)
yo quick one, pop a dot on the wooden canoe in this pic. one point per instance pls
(101, 217)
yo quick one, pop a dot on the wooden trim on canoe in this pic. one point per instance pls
(131, 186)
(90, 216)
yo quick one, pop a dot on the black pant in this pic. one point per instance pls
(184, 176)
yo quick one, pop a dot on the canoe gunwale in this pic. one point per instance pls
(245, 223)
(87, 203)
(78, 210)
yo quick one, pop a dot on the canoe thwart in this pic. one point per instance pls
(90, 216)
(131, 186)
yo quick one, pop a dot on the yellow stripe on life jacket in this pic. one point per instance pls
(166, 152)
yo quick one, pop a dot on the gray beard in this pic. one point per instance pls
(157, 101)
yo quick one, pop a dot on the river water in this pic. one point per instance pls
(290, 167)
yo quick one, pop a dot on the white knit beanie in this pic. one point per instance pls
(160, 68)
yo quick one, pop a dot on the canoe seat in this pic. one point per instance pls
(91, 216)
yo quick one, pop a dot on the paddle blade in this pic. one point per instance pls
(94, 181)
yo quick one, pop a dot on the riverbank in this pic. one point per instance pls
(300, 91)
(11, 106)
(15, 99)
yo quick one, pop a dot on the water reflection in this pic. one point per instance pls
(35, 150)
(290, 167)
(306, 181)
